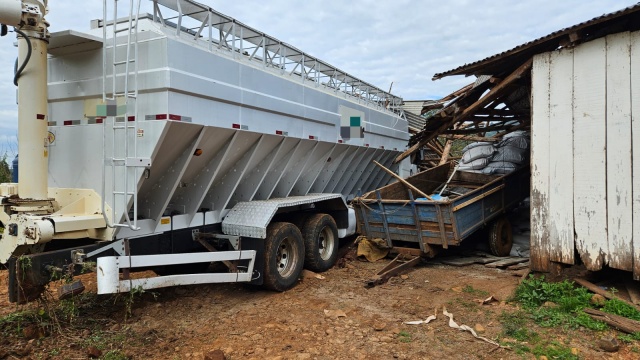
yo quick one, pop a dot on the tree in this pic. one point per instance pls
(5, 171)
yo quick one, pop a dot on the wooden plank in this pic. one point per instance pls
(496, 90)
(446, 152)
(589, 152)
(540, 162)
(465, 261)
(619, 172)
(633, 288)
(560, 220)
(619, 322)
(520, 266)
(635, 129)
(506, 262)
(597, 290)
(403, 181)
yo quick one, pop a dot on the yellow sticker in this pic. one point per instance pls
(51, 137)
(165, 221)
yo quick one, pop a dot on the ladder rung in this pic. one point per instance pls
(131, 95)
(123, 193)
(123, 62)
(131, 27)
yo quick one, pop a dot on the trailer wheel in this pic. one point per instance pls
(320, 235)
(500, 237)
(283, 256)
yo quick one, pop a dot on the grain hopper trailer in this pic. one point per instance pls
(186, 142)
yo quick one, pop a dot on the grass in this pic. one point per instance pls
(470, 290)
(404, 337)
(557, 305)
(76, 315)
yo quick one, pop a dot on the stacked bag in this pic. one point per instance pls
(501, 158)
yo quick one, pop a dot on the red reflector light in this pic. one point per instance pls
(161, 117)
(131, 118)
(235, 126)
(68, 122)
(278, 132)
(174, 117)
(367, 145)
(339, 141)
(99, 120)
(381, 147)
(312, 137)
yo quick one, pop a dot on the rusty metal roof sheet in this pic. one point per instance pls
(628, 19)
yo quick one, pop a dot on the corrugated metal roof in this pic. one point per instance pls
(587, 30)
(413, 106)
(415, 121)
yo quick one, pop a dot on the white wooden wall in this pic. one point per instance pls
(585, 186)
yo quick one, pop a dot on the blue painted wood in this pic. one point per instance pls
(402, 220)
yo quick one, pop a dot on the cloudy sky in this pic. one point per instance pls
(382, 41)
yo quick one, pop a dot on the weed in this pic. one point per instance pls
(554, 350)
(518, 348)
(617, 307)
(88, 266)
(466, 304)
(470, 290)
(404, 337)
(515, 326)
(569, 302)
(114, 355)
(629, 338)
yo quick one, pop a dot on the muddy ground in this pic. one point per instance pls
(335, 317)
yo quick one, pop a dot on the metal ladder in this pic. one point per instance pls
(124, 126)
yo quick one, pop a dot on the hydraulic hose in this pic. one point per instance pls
(18, 71)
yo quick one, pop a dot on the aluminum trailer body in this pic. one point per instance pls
(201, 150)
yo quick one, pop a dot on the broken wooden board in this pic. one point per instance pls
(619, 322)
(524, 265)
(465, 261)
(633, 288)
(504, 262)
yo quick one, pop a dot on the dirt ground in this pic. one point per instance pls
(331, 318)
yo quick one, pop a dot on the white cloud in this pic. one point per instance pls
(383, 41)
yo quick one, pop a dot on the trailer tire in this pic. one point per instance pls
(320, 235)
(500, 237)
(283, 256)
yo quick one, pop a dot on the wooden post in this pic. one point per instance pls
(403, 181)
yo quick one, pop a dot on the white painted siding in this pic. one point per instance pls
(540, 163)
(635, 132)
(585, 112)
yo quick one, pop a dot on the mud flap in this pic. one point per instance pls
(256, 244)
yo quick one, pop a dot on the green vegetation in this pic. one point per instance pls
(5, 171)
(554, 350)
(404, 337)
(556, 305)
(470, 290)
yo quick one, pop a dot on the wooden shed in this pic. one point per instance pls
(584, 118)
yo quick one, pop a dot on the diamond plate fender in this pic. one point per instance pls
(251, 218)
